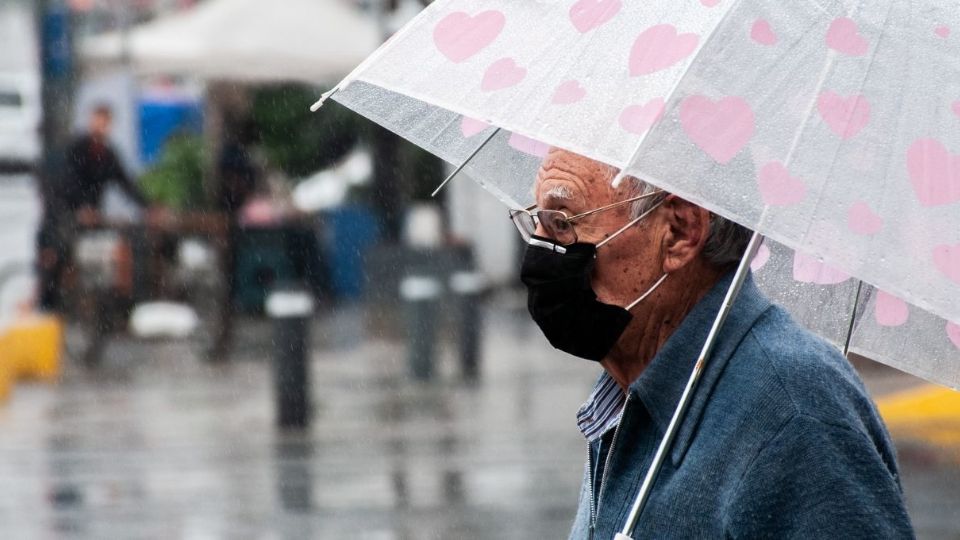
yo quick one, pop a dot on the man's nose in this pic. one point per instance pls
(540, 231)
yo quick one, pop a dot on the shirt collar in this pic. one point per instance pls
(661, 384)
(601, 412)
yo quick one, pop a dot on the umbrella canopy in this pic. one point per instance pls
(245, 40)
(832, 128)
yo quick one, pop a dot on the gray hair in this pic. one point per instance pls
(727, 240)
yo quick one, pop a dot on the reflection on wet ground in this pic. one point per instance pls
(159, 445)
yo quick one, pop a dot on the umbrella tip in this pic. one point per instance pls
(618, 179)
(323, 98)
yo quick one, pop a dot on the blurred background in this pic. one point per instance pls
(257, 323)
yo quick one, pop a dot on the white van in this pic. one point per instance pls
(20, 118)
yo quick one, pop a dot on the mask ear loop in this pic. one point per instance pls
(648, 293)
(631, 223)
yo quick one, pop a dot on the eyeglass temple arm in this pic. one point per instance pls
(609, 206)
(629, 224)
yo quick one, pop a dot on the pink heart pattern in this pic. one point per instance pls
(501, 74)
(660, 47)
(955, 107)
(843, 36)
(846, 116)
(763, 33)
(459, 36)
(528, 146)
(934, 172)
(947, 260)
(761, 258)
(719, 128)
(568, 93)
(722, 128)
(807, 269)
(861, 219)
(471, 126)
(589, 14)
(637, 119)
(890, 310)
(953, 332)
(777, 187)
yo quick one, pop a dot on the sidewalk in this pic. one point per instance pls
(158, 445)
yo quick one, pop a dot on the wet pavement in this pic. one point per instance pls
(157, 444)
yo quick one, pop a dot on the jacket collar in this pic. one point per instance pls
(661, 384)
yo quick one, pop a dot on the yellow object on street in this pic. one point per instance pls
(31, 347)
(6, 373)
(927, 413)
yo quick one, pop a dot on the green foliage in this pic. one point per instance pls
(297, 141)
(301, 143)
(176, 180)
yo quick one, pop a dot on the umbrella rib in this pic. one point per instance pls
(853, 318)
(465, 162)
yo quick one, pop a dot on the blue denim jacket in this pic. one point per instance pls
(780, 441)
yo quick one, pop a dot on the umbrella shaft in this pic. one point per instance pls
(743, 270)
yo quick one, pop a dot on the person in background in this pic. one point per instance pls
(91, 163)
(237, 172)
(238, 176)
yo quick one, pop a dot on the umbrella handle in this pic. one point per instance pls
(743, 270)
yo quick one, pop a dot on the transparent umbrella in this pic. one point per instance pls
(831, 128)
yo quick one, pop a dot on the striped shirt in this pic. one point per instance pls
(601, 412)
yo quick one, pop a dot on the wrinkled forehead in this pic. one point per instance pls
(564, 174)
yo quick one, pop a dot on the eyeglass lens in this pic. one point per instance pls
(555, 225)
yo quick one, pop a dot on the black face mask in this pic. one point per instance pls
(563, 304)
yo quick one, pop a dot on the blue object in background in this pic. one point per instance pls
(163, 118)
(350, 232)
(55, 50)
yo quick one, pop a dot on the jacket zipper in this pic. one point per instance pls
(590, 480)
(606, 469)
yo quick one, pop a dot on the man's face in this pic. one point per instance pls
(100, 123)
(629, 263)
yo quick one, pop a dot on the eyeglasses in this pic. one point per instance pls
(558, 226)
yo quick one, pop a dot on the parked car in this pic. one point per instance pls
(19, 120)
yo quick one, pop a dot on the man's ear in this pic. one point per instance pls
(688, 229)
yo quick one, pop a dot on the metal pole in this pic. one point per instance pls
(738, 279)
(468, 287)
(420, 293)
(291, 310)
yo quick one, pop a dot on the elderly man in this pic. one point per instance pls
(781, 439)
